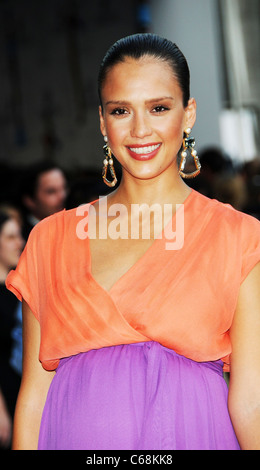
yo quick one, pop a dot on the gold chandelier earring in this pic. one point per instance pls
(108, 162)
(188, 144)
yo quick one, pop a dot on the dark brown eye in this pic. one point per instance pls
(118, 111)
(160, 109)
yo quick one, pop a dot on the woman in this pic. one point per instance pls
(126, 337)
(11, 245)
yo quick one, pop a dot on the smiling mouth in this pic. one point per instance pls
(144, 150)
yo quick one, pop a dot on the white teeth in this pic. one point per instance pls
(141, 150)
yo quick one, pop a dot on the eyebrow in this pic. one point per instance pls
(153, 100)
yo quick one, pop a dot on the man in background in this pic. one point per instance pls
(44, 192)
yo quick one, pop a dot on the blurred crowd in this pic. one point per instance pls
(29, 194)
(230, 182)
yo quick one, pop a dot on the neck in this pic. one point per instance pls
(163, 189)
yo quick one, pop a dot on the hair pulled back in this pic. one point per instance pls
(137, 46)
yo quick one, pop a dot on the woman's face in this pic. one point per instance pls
(11, 244)
(143, 116)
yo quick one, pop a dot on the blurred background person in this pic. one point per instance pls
(251, 175)
(44, 191)
(231, 189)
(215, 165)
(85, 187)
(11, 245)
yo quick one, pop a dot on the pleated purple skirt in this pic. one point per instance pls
(136, 397)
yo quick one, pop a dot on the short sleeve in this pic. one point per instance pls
(23, 281)
(250, 232)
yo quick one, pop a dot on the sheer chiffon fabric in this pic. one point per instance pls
(137, 397)
(184, 299)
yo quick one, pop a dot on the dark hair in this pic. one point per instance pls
(147, 44)
(32, 174)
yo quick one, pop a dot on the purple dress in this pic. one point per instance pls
(137, 397)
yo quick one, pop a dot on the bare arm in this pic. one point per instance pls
(34, 387)
(244, 390)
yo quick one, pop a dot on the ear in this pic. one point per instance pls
(190, 113)
(102, 122)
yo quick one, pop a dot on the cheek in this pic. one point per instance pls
(116, 135)
(11, 249)
(44, 199)
(173, 134)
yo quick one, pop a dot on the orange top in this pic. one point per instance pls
(184, 299)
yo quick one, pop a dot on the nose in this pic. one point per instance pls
(141, 126)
